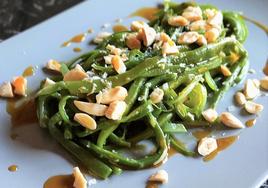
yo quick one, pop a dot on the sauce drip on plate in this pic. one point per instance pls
(201, 134)
(59, 181)
(76, 39)
(119, 28)
(29, 71)
(12, 168)
(223, 143)
(77, 49)
(146, 12)
(151, 185)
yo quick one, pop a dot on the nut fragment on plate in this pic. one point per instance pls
(133, 42)
(53, 65)
(79, 179)
(116, 110)
(148, 35)
(230, 120)
(169, 48)
(101, 36)
(264, 83)
(75, 74)
(198, 25)
(250, 89)
(225, 71)
(240, 98)
(118, 64)
(192, 13)
(188, 37)
(212, 35)
(160, 176)
(107, 96)
(201, 40)
(20, 84)
(6, 90)
(108, 59)
(210, 115)
(178, 21)
(91, 108)
(85, 120)
(265, 69)
(253, 108)
(137, 25)
(206, 146)
(157, 95)
(48, 82)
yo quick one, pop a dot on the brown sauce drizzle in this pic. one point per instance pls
(223, 143)
(171, 152)
(76, 39)
(250, 122)
(258, 24)
(12, 168)
(21, 112)
(59, 181)
(119, 28)
(77, 49)
(29, 71)
(201, 134)
(151, 184)
(146, 12)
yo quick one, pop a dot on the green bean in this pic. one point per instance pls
(211, 83)
(62, 110)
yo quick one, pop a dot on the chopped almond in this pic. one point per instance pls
(216, 19)
(168, 49)
(20, 84)
(264, 83)
(75, 74)
(108, 59)
(164, 37)
(107, 96)
(188, 37)
(253, 108)
(206, 146)
(118, 64)
(133, 42)
(212, 35)
(240, 98)
(79, 179)
(192, 13)
(6, 90)
(53, 65)
(210, 115)
(161, 177)
(234, 57)
(230, 120)
(201, 40)
(157, 95)
(178, 21)
(116, 110)
(137, 25)
(113, 49)
(250, 89)
(198, 25)
(85, 120)
(48, 82)
(101, 36)
(91, 108)
(265, 69)
(225, 71)
(256, 82)
(148, 35)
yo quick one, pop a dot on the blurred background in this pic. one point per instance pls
(18, 15)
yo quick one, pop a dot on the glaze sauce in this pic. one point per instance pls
(76, 39)
(12, 168)
(77, 49)
(201, 134)
(29, 71)
(146, 12)
(59, 181)
(119, 28)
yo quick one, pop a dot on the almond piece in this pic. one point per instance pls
(107, 96)
(114, 50)
(137, 25)
(188, 37)
(94, 109)
(265, 69)
(201, 40)
(20, 84)
(133, 42)
(250, 90)
(6, 90)
(206, 146)
(48, 82)
(216, 20)
(116, 110)
(210, 115)
(253, 108)
(157, 95)
(148, 35)
(53, 65)
(79, 179)
(160, 176)
(108, 59)
(192, 13)
(240, 98)
(75, 74)
(85, 120)
(264, 83)
(230, 120)
(178, 21)
(256, 82)
(212, 35)
(101, 36)
(225, 71)
(118, 64)
(168, 49)
(198, 25)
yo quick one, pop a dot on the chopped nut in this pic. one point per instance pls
(133, 42)
(210, 115)
(118, 64)
(253, 108)
(256, 82)
(161, 176)
(198, 25)
(240, 98)
(192, 13)
(101, 36)
(79, 179)
(75, 74)
(264, 83)
(212, 35)
(148, 35)
(265, 69)
(178, 21)
(250, 90)
(115, 110)
(48, 82)
(137, 25)
(164, 37)
(108, 59)
(91, 108)
(85, 120)
(113, 49)
(215, 20)
(107, 96)
(201, 40)
(206, 146)
(6, 90)
(225, 71)
(210, 13)
(20, 84)
(157, 95)
(230, 120)
(234, 57)
(53, 65)
(188, 37)
(168, 49)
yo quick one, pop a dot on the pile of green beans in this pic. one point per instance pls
(190, 79)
